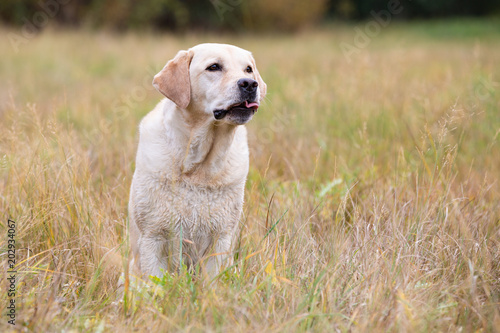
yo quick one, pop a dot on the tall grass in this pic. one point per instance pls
(372, 202)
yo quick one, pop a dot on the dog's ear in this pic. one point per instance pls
(173, 80)
(262, 84)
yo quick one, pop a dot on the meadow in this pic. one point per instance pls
(372, 201)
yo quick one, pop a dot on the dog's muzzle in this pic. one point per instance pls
(240, 108)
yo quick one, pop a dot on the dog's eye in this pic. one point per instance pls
(214, 67)
(249, 69)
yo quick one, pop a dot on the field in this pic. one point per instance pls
(372, 201)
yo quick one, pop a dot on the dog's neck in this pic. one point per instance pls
(206, 143)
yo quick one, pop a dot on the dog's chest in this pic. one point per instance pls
(198, 209)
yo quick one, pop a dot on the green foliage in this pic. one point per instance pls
(235, 15)
(362, 9)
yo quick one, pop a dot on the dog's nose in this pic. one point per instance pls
(248, 85)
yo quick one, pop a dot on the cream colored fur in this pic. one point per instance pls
(190, 168)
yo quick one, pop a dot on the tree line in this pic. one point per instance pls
(233, 15)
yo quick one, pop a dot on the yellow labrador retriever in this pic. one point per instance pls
(192, 160)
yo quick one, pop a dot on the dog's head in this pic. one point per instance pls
(213, 80)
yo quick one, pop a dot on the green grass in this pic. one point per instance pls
(372, 201)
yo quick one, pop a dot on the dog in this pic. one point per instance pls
(192, 161)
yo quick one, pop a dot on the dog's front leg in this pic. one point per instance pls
(221, 256)
(157, 255)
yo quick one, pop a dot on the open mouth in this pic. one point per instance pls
(238, 109)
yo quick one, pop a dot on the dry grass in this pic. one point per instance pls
(372, 201)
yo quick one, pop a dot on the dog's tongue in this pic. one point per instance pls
(252, 105)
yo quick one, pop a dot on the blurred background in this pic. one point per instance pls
(232, 15)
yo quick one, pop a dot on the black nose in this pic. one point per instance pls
(248, 85)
